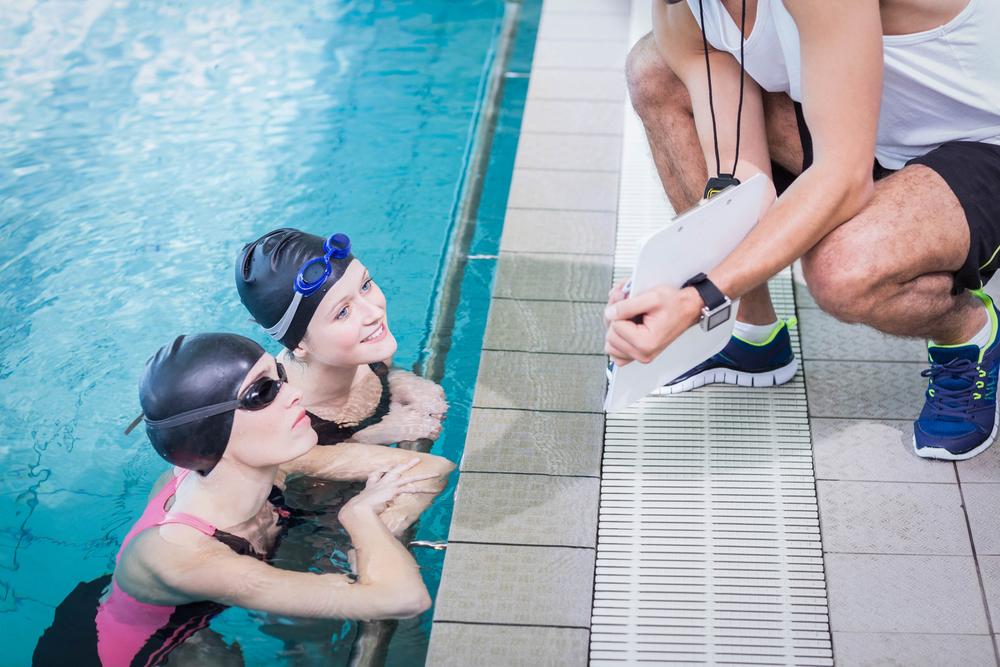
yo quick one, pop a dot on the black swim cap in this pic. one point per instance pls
(194, 372)
(265, 278)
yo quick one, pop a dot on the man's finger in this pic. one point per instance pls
(637, 339)
(617, 292)
(619, 346)
(631, 307)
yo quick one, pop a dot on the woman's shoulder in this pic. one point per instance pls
(153, 565)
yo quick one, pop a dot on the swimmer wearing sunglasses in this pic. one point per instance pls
(219, 409)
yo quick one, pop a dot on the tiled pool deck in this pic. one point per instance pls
(911, 547)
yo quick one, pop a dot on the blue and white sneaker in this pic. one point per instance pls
(744, 363)
(959, 419)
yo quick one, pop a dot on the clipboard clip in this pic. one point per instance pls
(717, 184)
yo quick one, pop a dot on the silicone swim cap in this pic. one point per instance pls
(265, 278)
(191, 373)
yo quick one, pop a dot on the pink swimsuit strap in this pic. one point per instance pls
(187, 520)
(156, 515)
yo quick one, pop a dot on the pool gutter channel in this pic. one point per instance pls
(709, 547)
(456, 257)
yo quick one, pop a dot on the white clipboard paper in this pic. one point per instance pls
(694, 242)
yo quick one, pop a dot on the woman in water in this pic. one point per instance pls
(320, 302)
(219, 409)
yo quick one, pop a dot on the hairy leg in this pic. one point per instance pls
(663, 105)
(891, 266)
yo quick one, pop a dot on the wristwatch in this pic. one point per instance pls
(717, 309)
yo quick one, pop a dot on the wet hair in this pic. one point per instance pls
(265, 279)
(195, 372)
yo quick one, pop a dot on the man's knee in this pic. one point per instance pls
(651, 82)
(844, 279)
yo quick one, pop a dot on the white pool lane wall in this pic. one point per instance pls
(709, 545)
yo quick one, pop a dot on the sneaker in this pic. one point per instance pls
(744, 363)
(959, 419)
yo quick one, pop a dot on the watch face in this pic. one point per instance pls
(718, 317)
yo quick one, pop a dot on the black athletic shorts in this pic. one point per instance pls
(972, 171)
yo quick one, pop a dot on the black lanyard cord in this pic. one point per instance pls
(711, 100)
(739, 109)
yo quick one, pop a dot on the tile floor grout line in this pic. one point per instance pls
(582, 134)
(532, 474)
(568, 412)
(575, 171)
(565, 354)
(555, 252)
(894, 554)
(536, 300)
(979, 572)
(563, 210)
(521, 544)
(865, 361)
(513, 625)
(861, 418)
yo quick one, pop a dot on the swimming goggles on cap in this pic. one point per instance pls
(311, 276)
(260, 394)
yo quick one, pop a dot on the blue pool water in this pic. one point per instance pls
(141, 143)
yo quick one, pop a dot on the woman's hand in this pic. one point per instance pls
(418, 393)
(418, 407)
(385, 485)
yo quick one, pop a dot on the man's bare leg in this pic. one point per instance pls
(663, 104)
(891, 266)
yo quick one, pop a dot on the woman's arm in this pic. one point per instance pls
(351, 461)
(388, 586)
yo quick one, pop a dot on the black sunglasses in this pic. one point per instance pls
(260, 394)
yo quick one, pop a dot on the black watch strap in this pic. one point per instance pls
(710, 294)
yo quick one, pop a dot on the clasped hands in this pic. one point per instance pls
(639, 327)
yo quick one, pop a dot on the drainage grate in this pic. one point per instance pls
(708, 543)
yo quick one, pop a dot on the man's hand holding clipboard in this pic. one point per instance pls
(655, 323)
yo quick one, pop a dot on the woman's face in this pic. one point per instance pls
(349, 327)
(275, 434)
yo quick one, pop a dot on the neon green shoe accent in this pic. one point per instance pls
(790, 322)
(991, 313)
(994, 326)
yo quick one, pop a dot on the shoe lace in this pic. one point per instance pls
(952, 391)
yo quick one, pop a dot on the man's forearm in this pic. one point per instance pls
(818, 201)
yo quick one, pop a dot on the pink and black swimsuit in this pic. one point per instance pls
(125, 632)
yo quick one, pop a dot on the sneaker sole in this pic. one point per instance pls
(734, 377)
(945, 455)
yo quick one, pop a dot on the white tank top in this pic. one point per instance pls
(939, 85)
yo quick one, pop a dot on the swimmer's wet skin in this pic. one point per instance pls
(217, 406)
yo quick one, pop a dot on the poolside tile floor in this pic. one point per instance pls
(519, 574)
(532, 442)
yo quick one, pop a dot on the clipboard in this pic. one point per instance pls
(695, 242)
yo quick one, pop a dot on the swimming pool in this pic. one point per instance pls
(140, 144)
